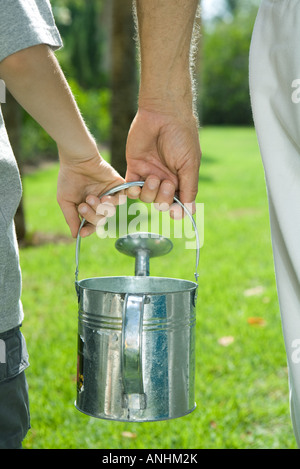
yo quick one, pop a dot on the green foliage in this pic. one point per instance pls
(242, 388)
(83, 60)
(81, 26)
(94, 106)
(84, 26)
(36, 145)
(224, 93)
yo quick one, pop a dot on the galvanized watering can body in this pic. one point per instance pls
(136, 343)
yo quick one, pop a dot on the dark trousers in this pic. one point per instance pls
(14, 402)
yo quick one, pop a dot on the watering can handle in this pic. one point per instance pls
(126, 185)
(132, 344)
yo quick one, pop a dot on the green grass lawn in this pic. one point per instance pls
(241, 372)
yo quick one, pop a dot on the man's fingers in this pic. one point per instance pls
(150, 189)
(160, 192)
(188, 186)
(134, 191)
(165, 195)
(154, 190)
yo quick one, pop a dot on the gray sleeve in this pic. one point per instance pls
(25, 23)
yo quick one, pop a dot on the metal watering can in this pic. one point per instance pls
(136, 336)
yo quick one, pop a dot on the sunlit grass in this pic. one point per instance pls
(241, 374)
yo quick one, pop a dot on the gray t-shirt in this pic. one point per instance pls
(23, 23)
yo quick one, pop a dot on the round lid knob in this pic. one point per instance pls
(155, 245)
(142, 246)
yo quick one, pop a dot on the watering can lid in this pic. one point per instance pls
(155, 244)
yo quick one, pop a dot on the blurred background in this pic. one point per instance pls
(99, 59)
(241, 387)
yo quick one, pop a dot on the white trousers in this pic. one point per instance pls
(275, 99)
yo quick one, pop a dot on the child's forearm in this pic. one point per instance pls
(34, 77)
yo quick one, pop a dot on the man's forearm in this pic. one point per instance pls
(34, 77)
(165, 30)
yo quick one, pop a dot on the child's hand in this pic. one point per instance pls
(81, 182)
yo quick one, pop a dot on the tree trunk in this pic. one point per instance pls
(13, 120)
(123, 80)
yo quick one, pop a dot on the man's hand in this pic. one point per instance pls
(83, 181)
(163, 143)
(163, 149)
